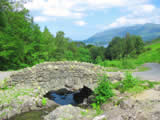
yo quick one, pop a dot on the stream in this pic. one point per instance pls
(33, 115)
(62, 97)
(38, 115)
(153, 74)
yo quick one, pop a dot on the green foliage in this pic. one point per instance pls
(104, 90)
(23, 44)
(98, 59)
(150, 55)
(96, 53)
(128, 82)
(121, 47)
(44, 101)
(97, 108)
(133, 85)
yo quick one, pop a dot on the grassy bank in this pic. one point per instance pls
(151, 54)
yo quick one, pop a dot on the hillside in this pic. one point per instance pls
(147, 32)
(150, 55)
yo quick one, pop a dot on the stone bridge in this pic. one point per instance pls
(56, 75)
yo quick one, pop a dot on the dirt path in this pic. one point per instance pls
(153, 74)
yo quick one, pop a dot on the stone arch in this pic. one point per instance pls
(56, 75)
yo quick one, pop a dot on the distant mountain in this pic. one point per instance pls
(147, 31)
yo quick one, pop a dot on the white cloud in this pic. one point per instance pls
(35, 5)
(138, 11)
(58, 8)
(80, 23)
(142, 9)
(126, 21)
(140, 14)
(106, 3)
(76, 8)
(43, 19)
(40, 19)
(148, 8)
(56, 12)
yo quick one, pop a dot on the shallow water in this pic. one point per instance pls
(64, 99)
(61, 99)
(38, 115)
(33, 115)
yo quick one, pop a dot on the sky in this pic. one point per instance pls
(80, 19)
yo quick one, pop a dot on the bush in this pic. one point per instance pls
(128, 82)
(133, 85)
(104, 90)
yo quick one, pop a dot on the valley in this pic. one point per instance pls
(112, 75)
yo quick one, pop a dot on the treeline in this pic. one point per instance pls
(23, 44)
(130, 45)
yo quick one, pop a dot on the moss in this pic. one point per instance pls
(7, 95)
(84, 113)
(3, 114)
(44, 101)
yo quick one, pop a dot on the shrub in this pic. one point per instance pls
(133, 85)
(104, 90)
(128, 82)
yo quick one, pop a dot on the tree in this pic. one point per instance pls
(96, 51)
(4, 6)
(116, 48)
(139, 44)
(121, 47)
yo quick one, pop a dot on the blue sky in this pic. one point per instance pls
(80, 19)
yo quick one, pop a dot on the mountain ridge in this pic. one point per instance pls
(147, 31)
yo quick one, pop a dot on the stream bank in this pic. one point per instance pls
(28, 96)
(20, 99)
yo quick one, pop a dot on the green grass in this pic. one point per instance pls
(151, 54)
(133, 85)
(138, 69)
(142, 69)
(84, 113)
